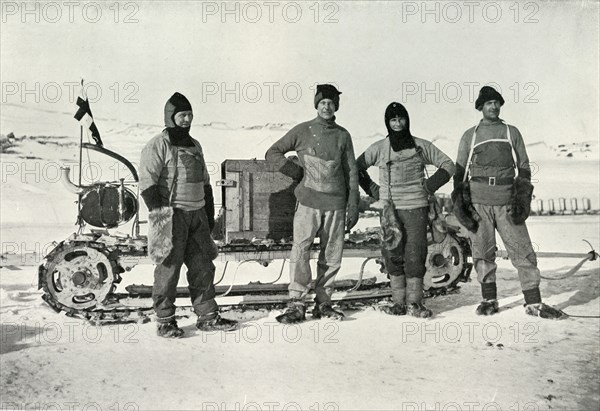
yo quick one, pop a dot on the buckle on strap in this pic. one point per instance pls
(492, 181)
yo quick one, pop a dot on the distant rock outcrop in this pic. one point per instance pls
(7, 143)
(575, 150)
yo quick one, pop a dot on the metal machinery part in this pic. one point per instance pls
(78, 276)
(446, 263)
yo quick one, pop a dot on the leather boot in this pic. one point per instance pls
(398, 286)
(544, 311)
(295, 313)
(487, 307)
(169, 330)
(216, 323)
(326, 310)
(414, 298)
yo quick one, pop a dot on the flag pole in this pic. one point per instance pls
(80, 151)
(79, 220)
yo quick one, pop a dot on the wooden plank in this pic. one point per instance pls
(253, 166)
(231, 203)
(278, 298)
(17, 260)
(247, 201)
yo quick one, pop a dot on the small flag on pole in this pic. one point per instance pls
(84, 116)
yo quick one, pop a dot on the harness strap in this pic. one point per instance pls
(501, 140)
(172, 190)
(389, 171)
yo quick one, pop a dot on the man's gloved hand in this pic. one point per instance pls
(351, 216)
(438, 179)
(209, 205)
(153, 199)
(374, 190)
(292, 168)
(369, 186)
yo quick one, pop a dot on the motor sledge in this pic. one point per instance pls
(80, 276)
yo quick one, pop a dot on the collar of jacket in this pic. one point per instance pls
(325, 123)
(499, 121)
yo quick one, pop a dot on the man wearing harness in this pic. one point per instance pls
(401, 159)
(175, 185)
(493, 191)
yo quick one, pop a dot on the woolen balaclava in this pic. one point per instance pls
(179, 136)
(487, 93)
(399, 140)
(327, 91)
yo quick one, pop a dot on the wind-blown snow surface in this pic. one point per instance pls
(370, 361)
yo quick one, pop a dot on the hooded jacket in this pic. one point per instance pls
(172, 167)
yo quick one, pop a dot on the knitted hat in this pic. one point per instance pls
(327, 91)
(178, 102)
(487, 93)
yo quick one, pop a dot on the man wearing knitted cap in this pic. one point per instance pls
(401, 159)
(175, 185)
(493, 191)
(327, 198)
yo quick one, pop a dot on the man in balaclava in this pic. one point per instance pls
(327, 197)
(493, 191)
(401, 159)
(175, 185)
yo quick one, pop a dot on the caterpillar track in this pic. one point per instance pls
(81, 276)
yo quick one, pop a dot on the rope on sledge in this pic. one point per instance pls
(591, 256)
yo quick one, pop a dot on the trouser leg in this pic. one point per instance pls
(307, 222)
(414, 232)
(483, 244)
(518, 245)
(166, 275)
(330, 257)
(200, 268)
(415, 222)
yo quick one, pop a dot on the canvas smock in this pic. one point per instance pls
(162, 163)
(407, 170)
(493, 162)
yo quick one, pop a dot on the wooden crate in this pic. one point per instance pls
(258, 200)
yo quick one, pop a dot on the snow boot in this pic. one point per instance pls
(487, 307)
(216, 323)
(418, 310)
(169, 330)
(396, 309)
(295, 313)
(544, 311)
(326, 310)
(414, 298)
(398, 286)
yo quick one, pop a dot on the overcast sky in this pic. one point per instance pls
(268, 55)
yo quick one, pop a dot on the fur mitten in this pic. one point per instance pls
(160, 234)
(520, 200)
(463, 207)
(391, 233)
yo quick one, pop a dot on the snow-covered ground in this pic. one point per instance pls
(456, 360)
(369, 361)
